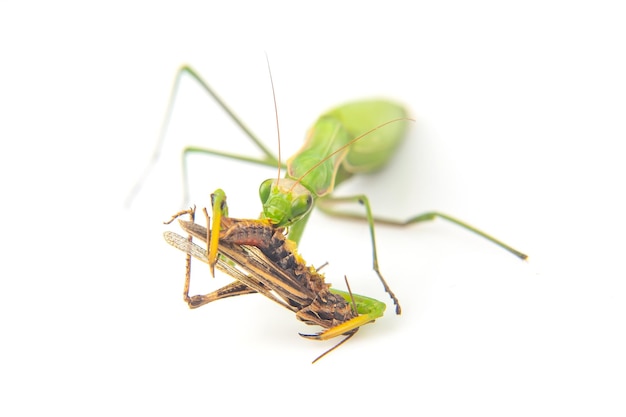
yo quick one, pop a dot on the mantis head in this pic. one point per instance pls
(285, 201)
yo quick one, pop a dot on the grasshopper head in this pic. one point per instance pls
(285, 201)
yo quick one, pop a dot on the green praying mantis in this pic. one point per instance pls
(355, 138)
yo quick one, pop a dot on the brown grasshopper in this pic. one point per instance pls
(262, 260)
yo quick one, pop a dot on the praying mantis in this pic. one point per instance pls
(354, 138)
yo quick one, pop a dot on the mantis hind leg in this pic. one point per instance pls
(324, 205)
(434, 214)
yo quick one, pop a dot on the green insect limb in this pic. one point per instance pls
(325, 206)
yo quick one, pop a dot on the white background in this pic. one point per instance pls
(520, 131)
